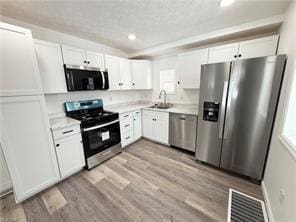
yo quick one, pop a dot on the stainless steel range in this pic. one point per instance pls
(99, 128)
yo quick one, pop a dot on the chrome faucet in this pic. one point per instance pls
(163, 91)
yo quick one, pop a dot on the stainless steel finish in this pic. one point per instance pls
(103, 80)
(101, 157)
(182, 131)
(164, 99)
(162, 106)
(99, 126)
(70, 66)
(253, 92)
(208, 146)
(222, 109)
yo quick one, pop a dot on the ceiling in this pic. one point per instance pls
(154, 22)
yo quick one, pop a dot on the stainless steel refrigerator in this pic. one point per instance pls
(237, 106)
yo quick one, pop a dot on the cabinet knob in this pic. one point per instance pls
(134, 83)
(84, 61)
(87, 62)
(57, 145)
(240, 55)
(235, 56)
(178, 82)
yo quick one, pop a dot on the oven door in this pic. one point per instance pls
(99, 138)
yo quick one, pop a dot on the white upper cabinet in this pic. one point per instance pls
(95, 59)
(125, 73)
(189, 65)
(141, 74)
(258, 47)
(50, 62)
(223, 53)
(74, 56)
(19, 74)
(112, 65)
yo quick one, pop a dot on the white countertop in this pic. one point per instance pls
(62, 122)
(181, 109)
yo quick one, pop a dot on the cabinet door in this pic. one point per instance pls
(148, 126)
(5, 181)
(137, 127)
(189, 65)
(27, 145)
(95, 59)
(258, 47)
(19, 74)
(74, 56)
(162, 127)
(141, 74)
(224, 53)
(112, 65)
(125, 73)
(50, 62)
(70, 154)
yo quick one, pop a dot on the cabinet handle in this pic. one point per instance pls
(178, 82)
(87, 62)
(134, 83)
(84, 61)
(137, 112)
(126, 125)
(69, 131)
(181, 118)
(126, 116)
(57, 145)
(235, 56)
(127, 137)
(240, 55)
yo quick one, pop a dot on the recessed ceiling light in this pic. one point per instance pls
(132, 37)
(224, 3)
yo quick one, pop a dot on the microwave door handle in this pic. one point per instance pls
(103, 80)
(99, 126)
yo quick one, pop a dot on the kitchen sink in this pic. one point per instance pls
(161, 106)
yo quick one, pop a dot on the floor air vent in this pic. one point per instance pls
(244, 208)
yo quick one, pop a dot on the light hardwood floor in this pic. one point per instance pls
(146, 182)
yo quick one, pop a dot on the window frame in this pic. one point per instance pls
(175, 83)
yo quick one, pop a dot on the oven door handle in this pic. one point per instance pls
(99, 126)
(103, 80)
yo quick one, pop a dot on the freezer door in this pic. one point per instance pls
(254, 88)
(212, 100)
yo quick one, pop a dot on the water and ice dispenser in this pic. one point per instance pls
(211, 111)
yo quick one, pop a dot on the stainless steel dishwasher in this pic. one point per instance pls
(182, 131)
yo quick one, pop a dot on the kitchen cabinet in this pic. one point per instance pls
(223, 53)
(141, 74)
(112, 65)
(189, 65)
(50, 62)
(82, 57)
(27, 144)
(125, 74)
(265, 46)
(19, 68)
(69, 150)
(156, 125)
(130, 127)
(5, 181)
(258, 47)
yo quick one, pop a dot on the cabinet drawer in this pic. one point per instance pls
(68, 131)
(127, 138)
(126, 125)
(137, 113)
(148, 112)
(125, 116)
(161, 115)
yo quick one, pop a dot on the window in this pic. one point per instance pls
(289, 128)
(167, 81)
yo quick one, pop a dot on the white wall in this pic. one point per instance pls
(55, 101)
(5, 182)
(280, 171)
(182, 96)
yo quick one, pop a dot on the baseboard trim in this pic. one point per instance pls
(267, 203)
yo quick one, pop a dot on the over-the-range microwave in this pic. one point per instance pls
(80, 78)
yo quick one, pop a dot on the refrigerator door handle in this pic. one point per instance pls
(228, 108)
(222, 110)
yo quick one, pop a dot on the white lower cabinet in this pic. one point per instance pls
(130, 127)
(156, 126)
(69, 150)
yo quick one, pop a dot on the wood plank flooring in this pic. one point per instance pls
(146, 182)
